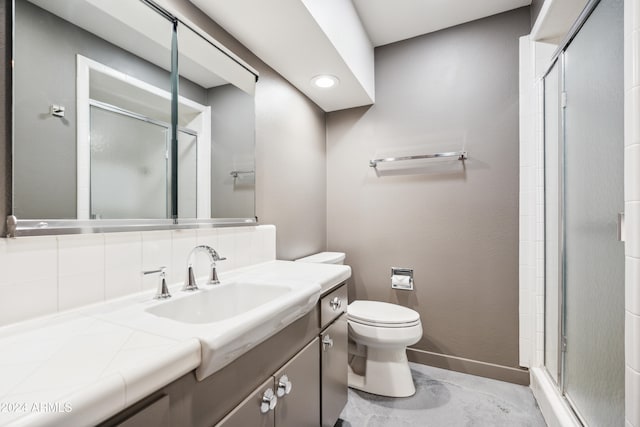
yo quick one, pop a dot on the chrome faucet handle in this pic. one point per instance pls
(190, 282)
(163, 290)
(213, 277)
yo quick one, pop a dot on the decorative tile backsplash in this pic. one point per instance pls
(43, 275)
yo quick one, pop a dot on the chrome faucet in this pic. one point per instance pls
(163, 290)
(190, 282)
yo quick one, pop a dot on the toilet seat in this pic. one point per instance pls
(383, 325)
(382, 314)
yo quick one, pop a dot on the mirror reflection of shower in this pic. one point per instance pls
(124, 164)
(104, 58)
(130, 170)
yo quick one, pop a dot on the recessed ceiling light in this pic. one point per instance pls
(325, 81)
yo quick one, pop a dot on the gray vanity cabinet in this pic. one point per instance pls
(257, 410)
(311, 387)
(311, 353)
(155, 414)
(334, 358)
(289, 398)
(300, 407)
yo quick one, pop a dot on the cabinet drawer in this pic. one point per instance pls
(333, 305)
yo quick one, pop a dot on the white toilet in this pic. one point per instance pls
(379, 334)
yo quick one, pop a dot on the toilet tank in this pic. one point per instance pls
(324, 258)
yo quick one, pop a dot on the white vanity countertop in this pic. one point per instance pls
(326, 275)
(81, 367)
(86, 368)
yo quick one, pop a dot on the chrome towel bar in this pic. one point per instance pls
(235, 174)
(461, 155)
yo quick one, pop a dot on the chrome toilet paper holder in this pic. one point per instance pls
(402, 278)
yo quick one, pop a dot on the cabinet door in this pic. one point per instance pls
(298, 389)
(334, 370)
(257, 410)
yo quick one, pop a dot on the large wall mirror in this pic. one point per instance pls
(124, 113)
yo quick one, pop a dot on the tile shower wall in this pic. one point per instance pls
(44, 275)
(534, 60)
(526, 264)
(632, 209)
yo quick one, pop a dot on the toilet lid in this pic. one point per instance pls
(381, 313)
(324, 258)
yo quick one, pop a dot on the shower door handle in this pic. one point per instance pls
(621, 226)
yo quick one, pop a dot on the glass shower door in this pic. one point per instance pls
(129, 167)
(593, 195)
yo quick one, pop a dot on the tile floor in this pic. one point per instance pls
(446, 399)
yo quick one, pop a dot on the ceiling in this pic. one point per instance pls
(555, 19)
(391, 21)
(304, 38)
(133, 27)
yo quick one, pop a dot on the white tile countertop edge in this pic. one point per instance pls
(89, 405)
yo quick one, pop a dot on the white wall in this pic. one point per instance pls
(333, 16)
(44, 275)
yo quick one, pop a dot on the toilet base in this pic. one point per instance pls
(386, 372)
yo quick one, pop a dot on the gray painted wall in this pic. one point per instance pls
(232, 148)
(290, 152)
(455, 225)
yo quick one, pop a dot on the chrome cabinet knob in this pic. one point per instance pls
(269, 401)
(284, 386)
(335, 303)
(327, 342)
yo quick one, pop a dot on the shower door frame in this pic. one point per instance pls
(558, 377)
(560, 59)
(560, 380)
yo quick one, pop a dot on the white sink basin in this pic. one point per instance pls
(219, 302)
(230, 318)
